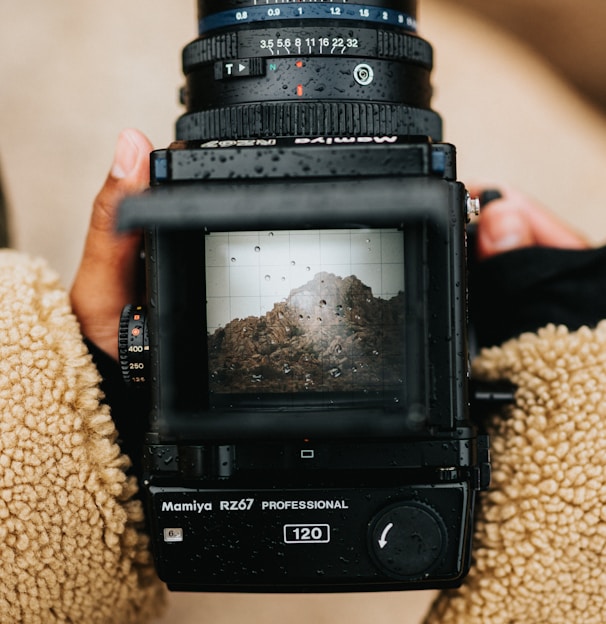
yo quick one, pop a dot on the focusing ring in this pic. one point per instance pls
(271, 119)
(208, 7)
(374, 12)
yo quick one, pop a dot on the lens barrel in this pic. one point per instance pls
(282, 68)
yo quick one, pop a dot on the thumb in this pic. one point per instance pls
(106, 278)
(502, 227)
(514, 220)
(129, 174)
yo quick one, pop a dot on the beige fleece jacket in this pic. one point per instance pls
(71, 549)
(71, 546)
(540, 544)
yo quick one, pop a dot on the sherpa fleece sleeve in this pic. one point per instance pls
(540, 541)
(125, 408)
(72, 546)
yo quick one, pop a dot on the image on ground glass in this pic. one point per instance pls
(305, 311)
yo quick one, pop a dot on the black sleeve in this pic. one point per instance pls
(526, 289)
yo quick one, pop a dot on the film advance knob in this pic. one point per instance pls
(407, 539)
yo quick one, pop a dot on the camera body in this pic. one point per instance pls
(304, 344)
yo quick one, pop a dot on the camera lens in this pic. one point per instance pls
(287, 68)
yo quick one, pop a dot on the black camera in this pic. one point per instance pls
(302, 358)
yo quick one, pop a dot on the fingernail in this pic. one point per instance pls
(125, 156)
(507, 229)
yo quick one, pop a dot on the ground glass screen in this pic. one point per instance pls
(317, 311)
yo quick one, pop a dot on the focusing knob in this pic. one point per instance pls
(133, 346)
(407, 540)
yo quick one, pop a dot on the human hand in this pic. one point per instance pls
(515, 220)
(106, 278)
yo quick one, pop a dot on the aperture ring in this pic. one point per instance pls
(309, 41)
(215, 48)
(394, 45)
(274, 119)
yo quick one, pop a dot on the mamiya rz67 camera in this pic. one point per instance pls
(303, 350)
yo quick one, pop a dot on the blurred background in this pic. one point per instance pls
(519, 84)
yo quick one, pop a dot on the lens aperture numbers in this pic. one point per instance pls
(309, 45)
(307, 41)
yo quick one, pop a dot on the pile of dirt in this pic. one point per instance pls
(330, 334)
